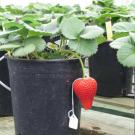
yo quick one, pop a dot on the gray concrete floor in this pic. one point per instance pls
(96, 122)
(107, 124)
(92, 123)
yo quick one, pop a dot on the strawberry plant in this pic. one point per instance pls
(125, 44)
(105, 9)
(80, 38)
(102, 11)
(24, 38)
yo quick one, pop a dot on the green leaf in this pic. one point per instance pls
(126, 55)
(118, 43)
(45, 18)
(102, 18)
(72, 27)
(84, 47)
(92, 14)
(25, 50)
(12, 25)
(35, 32)
(13, 37)
(51, 27)
(119, 35)
(124, 27)
(9, 46)
(14, 9)
(3, 41)
(132, 37)
(5, 33)
(10, 16)
(38, 42)
(132, 6)
(92, 32)
(30, 17)
(101, 39)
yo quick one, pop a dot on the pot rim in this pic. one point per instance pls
(42, 60)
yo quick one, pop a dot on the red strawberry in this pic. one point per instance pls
(85, 89)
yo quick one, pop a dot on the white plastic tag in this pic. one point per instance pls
(109, 30)
(73, 122)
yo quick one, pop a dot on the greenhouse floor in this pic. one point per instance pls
(109, 116)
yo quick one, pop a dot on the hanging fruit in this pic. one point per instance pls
(85, 89)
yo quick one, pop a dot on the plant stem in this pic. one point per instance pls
(80, 59)
(8, 53)
(61, 42)
(3, 28)
(81, 62)
(27, 56)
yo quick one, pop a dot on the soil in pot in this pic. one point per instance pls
(41, 95)
(108, 72)
(5, 95)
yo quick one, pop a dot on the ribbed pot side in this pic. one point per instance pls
(41, 95)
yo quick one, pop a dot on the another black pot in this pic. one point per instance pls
(49, 39)
(108, 72)
(129, 82)
(5, 95)
(41, 95)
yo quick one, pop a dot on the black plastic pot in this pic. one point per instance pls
(49, 39)
(41, 95)
(108, 72)
(5, 95)
(129, 82)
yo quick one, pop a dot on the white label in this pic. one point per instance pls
(109, 31)
(73, 122)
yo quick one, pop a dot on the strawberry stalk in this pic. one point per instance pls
(81, 62)
(80, 59)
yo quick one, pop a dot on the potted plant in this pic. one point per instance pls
(8, 15)
(126, 52)
(5, 95)
(104, 65)
(41, 75)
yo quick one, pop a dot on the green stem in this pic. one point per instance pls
(3, 28)
(36, 55)
(27, 56)
(82, 65)
(9, 53)
(61, 42)
(77, 56)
